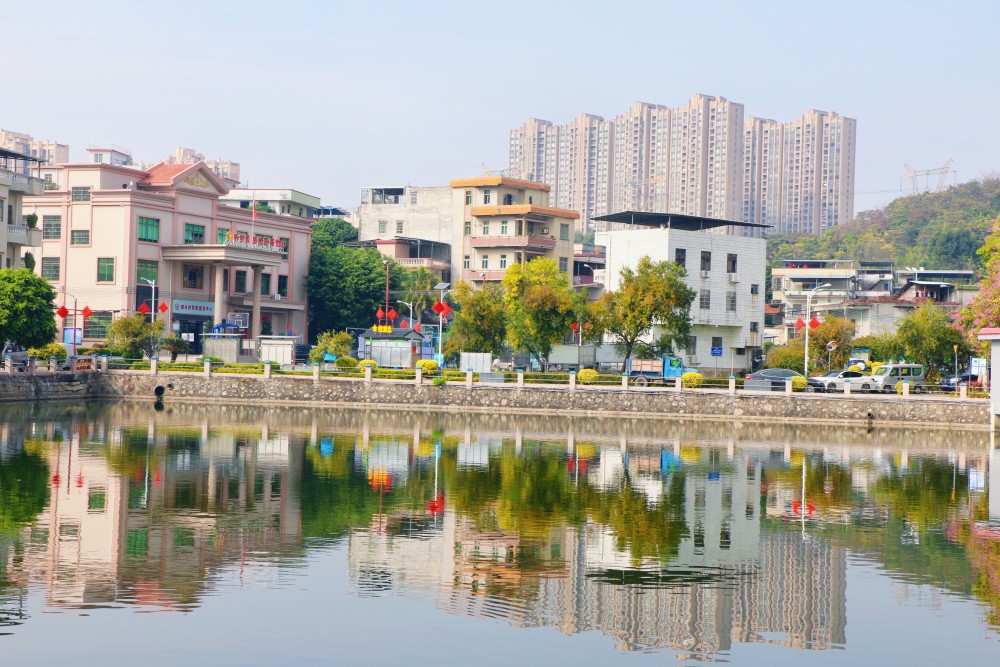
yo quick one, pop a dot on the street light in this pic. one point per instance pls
(808, 319)
(410, 306)
(152, 318)
(441, 287)
(386, 263)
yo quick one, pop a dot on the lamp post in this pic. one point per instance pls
(386, 263)
(955, 347)
(152, 317)
(808, 319)
(441, 287)
(410, 306)
(66, 294)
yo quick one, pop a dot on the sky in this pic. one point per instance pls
(329, 97)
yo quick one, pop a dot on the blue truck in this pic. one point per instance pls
(644, 371)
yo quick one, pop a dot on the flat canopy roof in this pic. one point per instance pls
(14, 155)
(691, 223)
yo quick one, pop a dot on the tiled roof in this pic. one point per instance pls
(164, 174)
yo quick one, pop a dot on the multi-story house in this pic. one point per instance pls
(15, 184)
(726, 272)
(45, 150)
(283, 201)
(118, 240)
(505, 221)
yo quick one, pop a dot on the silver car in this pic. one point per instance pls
(834, 381)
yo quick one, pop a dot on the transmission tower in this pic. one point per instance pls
(913, 175)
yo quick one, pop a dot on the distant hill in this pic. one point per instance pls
(939, 230)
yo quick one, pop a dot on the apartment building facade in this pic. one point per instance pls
(45, 150)
(726, 271)
(109, 233)
(15, 234)
(284, 201)
(701, 158)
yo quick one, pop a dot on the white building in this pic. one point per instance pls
(726, 272)
(284, 201)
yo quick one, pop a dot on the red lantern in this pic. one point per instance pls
(813, 323)
(143, 308)
(574, 327)
(799, 323)
(86, 312)
(162, 307)
(392, 314)
(438, 307)
(445, 310)
(403, 324)
(62, 312)
(416, 327)
(380, 313)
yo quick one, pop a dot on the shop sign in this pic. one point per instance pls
(202, 308)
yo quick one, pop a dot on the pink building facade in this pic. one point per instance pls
(109, 233)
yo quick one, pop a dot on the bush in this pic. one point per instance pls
(587, 376)
(368, 363)
(854, 367)
(799, 383)
(429, 366)
(440, 381)
(874, 367)
(346, 362)
(175, 345)
(692, 380)
(46, 352)
(214, 360)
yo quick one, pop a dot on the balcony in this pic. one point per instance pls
(473, 275)
(28, 185)
(425, 262)
(20, 235)
(268, 301)
(540, 242)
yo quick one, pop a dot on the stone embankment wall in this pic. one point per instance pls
(803, 408)
(45, 386)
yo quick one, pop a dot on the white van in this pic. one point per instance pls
(886, 376)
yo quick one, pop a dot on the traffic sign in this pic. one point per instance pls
(716, 351)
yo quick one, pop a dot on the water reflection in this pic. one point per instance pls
(687, 536)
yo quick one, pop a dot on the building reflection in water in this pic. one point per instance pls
(661, 535)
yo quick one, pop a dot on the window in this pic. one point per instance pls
(241, 282)
(81, 194)
(692, 346)
(716, 341)
(563, 232)
(503, 261)
(484, 262)
(146, 269)
(96, 326)
(731, 301)
(50, 268)
(503, 226)
(776, 283)
(731, 263)
(194, 276)
(285, 242)
(468, 197)
(194, 234)
(754, 289)
(51, 226)
(680, 257)
(221, 236)
(79, 237)
(149, 230)
(705, 299)
(754, 327)
(413, 198)
(468, 227)
(383, 226)
(283, 285)
(105, 269)
(399, 226)
(706, 260)
(225, 280)
(487, 196)
(466, 262)
(486, 227)
(265, 284)
(563, 265)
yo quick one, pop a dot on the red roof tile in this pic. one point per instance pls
(164, 174)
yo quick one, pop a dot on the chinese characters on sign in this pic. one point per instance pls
(247, 242)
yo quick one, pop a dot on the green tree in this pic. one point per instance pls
(653, 294)
(418, 286)
(29, 261)
(26, 305)
(332, 232)
(134, 336)
(24, 490)
(261, 207)
(984, 311)
(790, 356)
(480, 323)
(346, 286)
(337, 343)
(882, 347)
(175, 345)
(929, 336)
(540, 306)
(836, 330)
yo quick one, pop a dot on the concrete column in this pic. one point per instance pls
(847, 386)
(103, 364)
(520, 378)
(788, 386)
(220, 294)
(368, 373)
(207, 368)
(8, 364)
(624, 382)
(468, 379)
(906, 388)
(418, 375)
(53, 364)
(572, 381)
(267, 369)
(732, 385)
(154, 365)
(678, 384)
(315, 372)
(963, 391)
(258, 274)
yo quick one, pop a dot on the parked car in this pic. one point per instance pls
(17, 354)
(886, 376)
(950, 382)
(769, 379)
(834, 381)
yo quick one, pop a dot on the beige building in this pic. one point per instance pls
(284, 201)
(701, 159)
(225, 169)
(110, 232)
(47, 151)
(506, 221)
(15, 234)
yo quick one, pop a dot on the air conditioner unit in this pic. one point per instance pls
(276, 297)
(544, 230)
(734, 277)
(705, 273)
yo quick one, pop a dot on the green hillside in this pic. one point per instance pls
(938, 230)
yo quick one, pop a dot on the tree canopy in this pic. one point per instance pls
(984, 311)
(540, 304)
(929, 336)
(332, 232)
(26, 308)
(134, 336)
(480, 323)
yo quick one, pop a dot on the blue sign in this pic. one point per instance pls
(716, 351)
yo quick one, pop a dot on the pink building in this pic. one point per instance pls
(110, 233)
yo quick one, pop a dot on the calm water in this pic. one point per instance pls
(130, 536)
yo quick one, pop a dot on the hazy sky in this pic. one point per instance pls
(327, 97)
